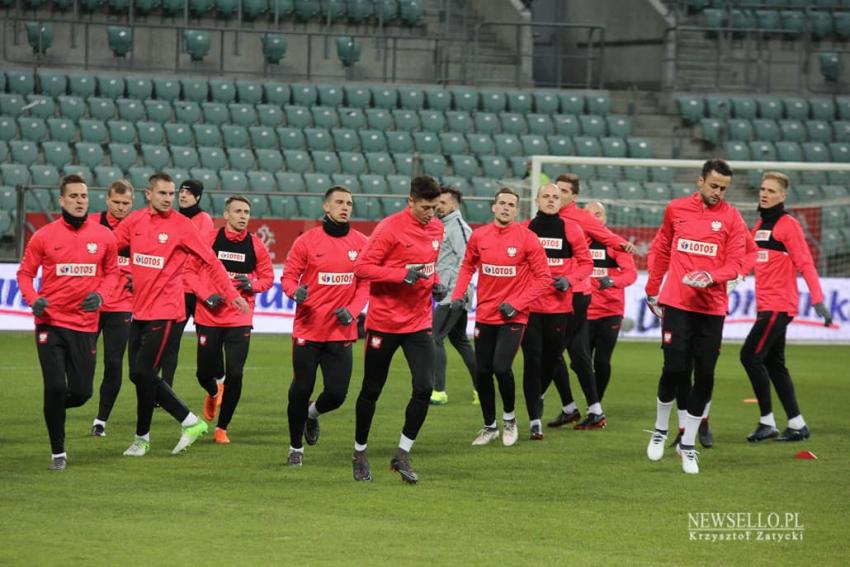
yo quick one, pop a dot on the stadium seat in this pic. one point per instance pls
(572, 103)
(766, 129)
(691, 108)
(138, 177)
(153, 133)
(184, 157)
(822, 108)
(297, 160)
(104, 175)
(796, 108)
(403, 164)
(384, 97)
(486, 123)
(352, 118)
(459, 121)
(812, 152)
(636, 173)
(792, 130)
(380, 163)
(128, 109)
(639, 148)
(50, 83)
(494, 167)
(298, 116)
(840, 152)
(262, 181)
(717, 106)
(44, 175)
(762, 151)
(411, 12)
(478, 212)
(599, 104)
(318, 139)
(11, 104)
(109, 86)
(592, 125)
(352, 163)
(507, 145)
(438, 99)
(32, 129)
(206, 176)
(197, 44)
(513, 123)
(819, 131)
(263, 137)
(432, 120)
(619, 126)
(326, 162)
(233, 180)
(613, 147)
(453, 143)
(41, 106)
(406, 120)
(156, 157)
(480, 143)
(657, 191)
(465, 165)
(566, 125)
(770, 107)
(611, 173)
(89, 155)
(215, 113)
(739, 129)
(290, 182)
(372, 140)
(57, 154)
(123, 156)
(121, 131)
(433, 164)
(39, 36)
(519, 102)
(458, 183)
(92, 131)
(398, 184)
(187, 112)
(399, 142)
(534, 145)
(269, 159)
(235, 136)
(206, 134)
(744, 107)
(411, 98)
(545, 102)
(24, 152)
(242, 114)
(426, 142)
(348, 50)
(325, 117)
(376, 184)
(14, 174)
(465, 99)
(560, 145)
(317, 182)
(222, 91)
(392, 205)
(240, 159)
(540, 124)
(345, 140)
(737, 151)
(494, 101)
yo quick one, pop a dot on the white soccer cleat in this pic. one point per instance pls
(511, 434)
(189, 435)
(486, 435)
(139, 448)
(655, 449)
(690, 464)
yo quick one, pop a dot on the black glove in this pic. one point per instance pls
(605, 282)
(507, 310)
(344, 316)
(214, 301)
(561, 283)
(413, 276)
(300, 294)
(38, 306)
(244, 283)
(129, 285)
(456, 305)
(820, 309)
(439, 292)
(92, 302)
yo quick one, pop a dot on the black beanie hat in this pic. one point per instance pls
(194, 186)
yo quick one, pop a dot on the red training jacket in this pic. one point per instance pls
(400, 242)
(620, 267)
(121, 299)
(593, 230)
(511, 267)
(326, 265)
(73, 264)
(204, 223)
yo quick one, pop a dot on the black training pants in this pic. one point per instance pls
(335, 360)
(223, 347)
(495, 349)
(763, 357)
(602, 335)
(67, 359)
(169, 360)
(115, 327)
(542, 347)
(451, 324)
(418, 349)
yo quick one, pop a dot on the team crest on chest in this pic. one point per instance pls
(435, 244)
(511, 251)
(162, 237)
(91, 247)
(352, 255)
(716, 225)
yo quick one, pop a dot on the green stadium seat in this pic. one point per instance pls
(840, 152)
(432, 120)
(81, 170)
(380, 163)
(583, 170)
(263, 137)
(592, 125)
(540, 124)
(32, 129)
(81, 85)
(330, 95)
(770, 107)
(197, 44)
(105, 175)
(691, 108)
(14, 174)
(326, 162)
(598, 104)
(789, 151)
(179, 134)
(458, 183)
(248, 91)
(819, 131)
(822, 108)
(353, 163)
(357, 96)
(433, 164)
(619, 126)
(372, 140)
(20, 82)
(269, 159)
(123, 156)
(744, 107)
(566, 125)
(480, 143)
(406, 120)
(411, 98)
(262, 181)
(290, 182)
(207, 134)
(345, 140)
(24, 152)
(478, 212)
(348, 50)
(465, 166)
(842, 105)
(41, 106)
(662, 174)
(93, 131)
(411, 12)
(121, 131)
(187, 112)
(277, 94)
(631, 190)
(453, 143)
(57, 154)
(156, 157)
(739, 151)
(613, 147)
(459, 121)
(164, 89)
(841, 130)
(403, 164)
(601, 189)
(233, 181)
(815, 152)
(465, 99)
(717, 106)
(352, 118)
(487, 123)
(766, 129)
(793, 21)
(235, 136)
(240, 159)
(4, 151)
(545, 102)
(376, 184)
(513, 123)
(392, 205)
(110, 86)
(796, 108)
(222, 90)
(534, 145)
(768, 20)
(184, 157)
(274, 48)
(269, 115)
(820, 24)
(494, 167)
(291, 138)
(739, 129)
(399, 142)
(611, 173)
(519, 102)
(304, 94)
(836, 192)
(11, 104)
(283, 206)
(151, 133)
(640, 148)
(657, 191)
(298, 116)
(384, 97)
(215, 113)
(317, 182)
(44, 175)
(398, 184)
(572, 103)
(494, 101)
(833, 218)
(104, 109)
(426, 142)
(438, 99)
(325, 117)
(206, 176)
(318, 139)
(792, 130)
(841, 21)
(636, 173)
(298, 161)
(138, 177)
(560, 145)
(242, 114)
(507, 145)
(50, 84)
(72, 107)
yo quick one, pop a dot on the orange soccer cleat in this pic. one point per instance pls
(220, 436)
(212, 404)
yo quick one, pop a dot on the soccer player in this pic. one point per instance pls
(782, 253)
(161, 241)
(512, 274)
(700, 246)
(448, 323)
(116, 311)
(319, 276)
(569, 263)
(189, 203)
(399, 261)
(613, 271)
(79, 269)
(224, 332)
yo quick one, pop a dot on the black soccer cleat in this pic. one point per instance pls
(400, 463)
(762, 433)
(794, 434)
(706, 437)
(592, 421)
(678, 438)
(295, 458)
(536, 433)
(58, 464)
(565, 418)
(360, 466)
(97, 430)
(311, 431)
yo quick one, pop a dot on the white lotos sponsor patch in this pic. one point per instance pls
(599, 272)
(551, 243)
(555, 261)
(696, 247)
(762, 235)
(76, 270)
(336, 278)
(763, 256)
(147, 261)
(598, 253)
(232, 256)
(498, 271)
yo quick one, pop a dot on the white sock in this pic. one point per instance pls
(509, 416)
(294, 450)
(145, 437)
(99, 422)
(219, 380)
(57, 455)
(680, 413)
(706, 410)
(797, 422)
(405, 443)
(662, 414)
(569, 408)
(358, 447)
(691, 426)
(536, 422)
(768, 420)
(595, 408)
(190, 420)
(491, 426)
(312, 412)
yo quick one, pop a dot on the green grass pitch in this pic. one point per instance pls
(574, 498)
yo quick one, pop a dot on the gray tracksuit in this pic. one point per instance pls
(457, 234)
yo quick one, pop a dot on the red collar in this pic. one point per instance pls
(234, 236)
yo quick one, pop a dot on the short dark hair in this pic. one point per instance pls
(159, 176)
(425, 188)
(235, 198)
(334, 189)
(457, 196)
(572, 179)
(505, 191)
(121, 187)
(69, 179)
(718, 165)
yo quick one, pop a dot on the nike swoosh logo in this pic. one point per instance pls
(156, 328)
